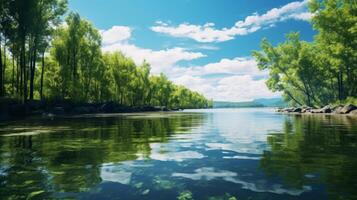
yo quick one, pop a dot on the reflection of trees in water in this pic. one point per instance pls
(70, 160)
(316, 150)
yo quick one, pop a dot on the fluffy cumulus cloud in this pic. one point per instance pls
(236, 66)
(208, 33)
(117, 39)
(115, 34)
(161, 61)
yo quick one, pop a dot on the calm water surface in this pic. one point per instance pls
(197, 154)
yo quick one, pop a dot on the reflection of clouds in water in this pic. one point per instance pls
(121, 172)
(238, 130)
(243, 157)
(115, 174)
(263, 186)
(206, 173)
(253, 148)
(171, 152)
(209, 173)
(176, 156)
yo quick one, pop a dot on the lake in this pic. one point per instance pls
(222, 154)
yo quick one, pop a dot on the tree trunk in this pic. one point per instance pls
(23, 67)
(13, 75)
(18, 74)
(42, 72)
(1, 69)
(292, 97)
(32, 70)
(340, 85)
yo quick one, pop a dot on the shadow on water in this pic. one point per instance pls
(315, 149)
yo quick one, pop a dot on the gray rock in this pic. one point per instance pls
(326, 109)
(316, 111)
(297, 110)
(353, 112)
(306, 109)
(337, 109)
(289, 109)
(348, 108)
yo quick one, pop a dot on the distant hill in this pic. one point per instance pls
(274, 102)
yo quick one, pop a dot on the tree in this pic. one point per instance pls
(336, 23)
(76, 48)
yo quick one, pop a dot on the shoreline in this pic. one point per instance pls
(11, 110)
(340, 110)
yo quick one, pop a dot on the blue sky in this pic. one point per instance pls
(205, 45)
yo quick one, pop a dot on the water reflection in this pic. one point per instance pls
(66, 155)
(204, 154)
(319, 150)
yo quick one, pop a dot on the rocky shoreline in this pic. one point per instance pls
(349, 109)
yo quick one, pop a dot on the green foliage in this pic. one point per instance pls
(348, 100)
(74, 68)
(322, 71)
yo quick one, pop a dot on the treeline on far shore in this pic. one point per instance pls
(45, 58)
(320, 72)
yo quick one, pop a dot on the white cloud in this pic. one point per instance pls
(116, 39)
(208, 33)
(160, 61)
(237, 66)
(205, 33)
(231, 88)
(115, 34)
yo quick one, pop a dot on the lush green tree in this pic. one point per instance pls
(76, 48)
(293, 69)
(336, 23)
(26, 27)
(322, 71)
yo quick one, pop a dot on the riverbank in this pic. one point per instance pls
(11, 109)
(348, 109)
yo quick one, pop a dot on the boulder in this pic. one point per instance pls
(337, 109)
(353, 112)
(348, 108)
(297, 110)
(316, 111)
(306, 109)
(326, 109)
(288, 110)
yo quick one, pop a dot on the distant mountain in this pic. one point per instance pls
(274, 102)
